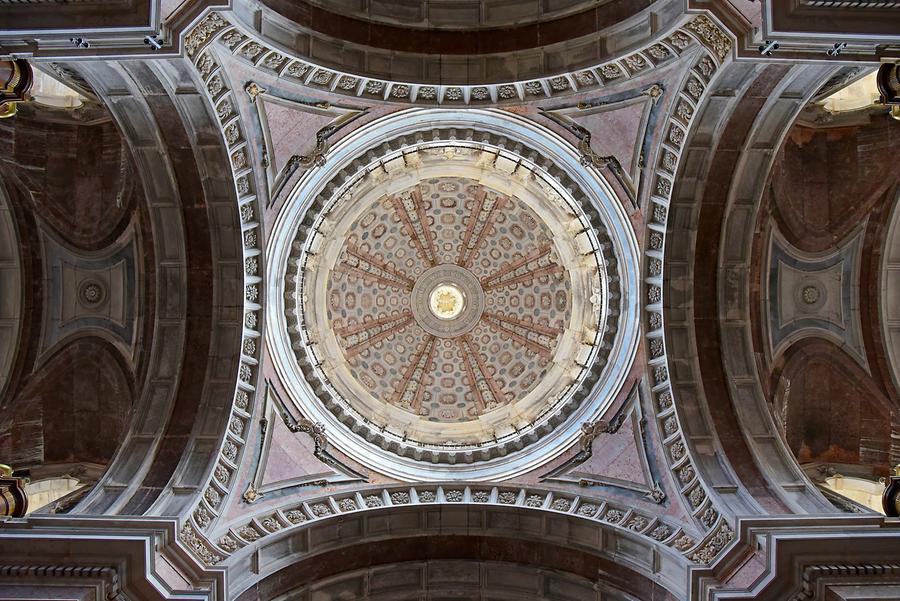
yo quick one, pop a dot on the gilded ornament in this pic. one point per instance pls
(251, 495)
(253, 90)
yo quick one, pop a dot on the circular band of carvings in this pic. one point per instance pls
(244, 537)
(219, 484)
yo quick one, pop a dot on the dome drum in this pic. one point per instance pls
(535, 342)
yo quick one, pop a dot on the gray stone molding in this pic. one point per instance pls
(11, 291)
(275, 538)
(122, 86)
(455, 14)
(675, 129)
(695, 125)
(220, 94)
(770, 452)
(235, 264)
(114, 559)
(155, 401)
(546, 65)
(61, 581)
(113, 29)
(802, 556)
(461, 578)
(889, 293)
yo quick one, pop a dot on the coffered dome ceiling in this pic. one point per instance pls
(453, 302)
(477, 300)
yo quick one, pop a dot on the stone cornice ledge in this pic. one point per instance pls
(124, 558)
(793, 553)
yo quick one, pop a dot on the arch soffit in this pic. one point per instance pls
(172, 186)
(473, 577)
(889, 301)
(11, 295)
(275, 540)
(764, 133)
(463, 56)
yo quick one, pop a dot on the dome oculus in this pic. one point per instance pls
(446, 301)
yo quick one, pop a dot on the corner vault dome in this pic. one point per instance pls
(455, 295)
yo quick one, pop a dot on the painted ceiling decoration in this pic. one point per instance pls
(372, 300)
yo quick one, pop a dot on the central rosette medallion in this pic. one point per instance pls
(447, 301)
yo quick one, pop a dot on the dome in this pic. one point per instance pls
(452, 302)
(446, 309)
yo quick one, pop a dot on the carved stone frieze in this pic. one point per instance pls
(652, 529)
(655, 53)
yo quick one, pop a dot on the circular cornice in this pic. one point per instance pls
(431, 219)
(606, 234)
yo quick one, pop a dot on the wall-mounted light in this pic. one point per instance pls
(767, 48)
(888, 82)
(154, 42)
(836, 49)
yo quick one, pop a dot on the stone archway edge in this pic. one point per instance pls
(665, 47)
